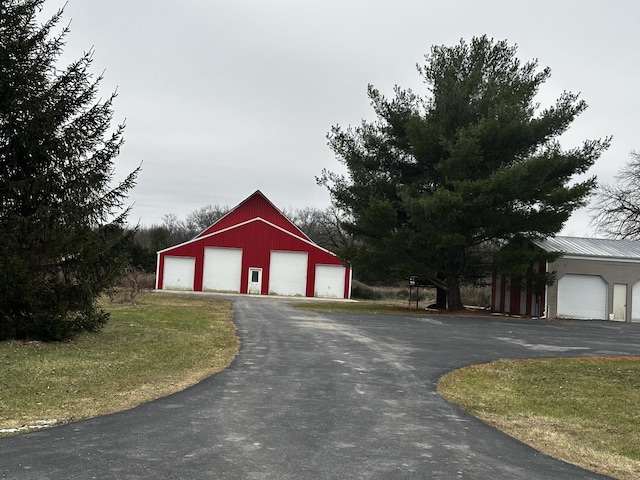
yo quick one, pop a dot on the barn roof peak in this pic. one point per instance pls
(256, 205)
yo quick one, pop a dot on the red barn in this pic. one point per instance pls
(254, 249)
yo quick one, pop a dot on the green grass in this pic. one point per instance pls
(585, 411)
(377, 307)
(372, 307)
(150, 349)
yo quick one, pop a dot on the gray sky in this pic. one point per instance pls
(222, 98)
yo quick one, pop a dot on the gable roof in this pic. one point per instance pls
(591, 247)
(255, 206)
(243, 226)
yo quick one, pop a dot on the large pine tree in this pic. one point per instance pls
(437, 179)
(62, 216)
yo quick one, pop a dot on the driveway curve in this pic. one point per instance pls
(323, 396)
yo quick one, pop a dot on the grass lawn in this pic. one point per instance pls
(158, 346)
(373, 307)
(585, 411)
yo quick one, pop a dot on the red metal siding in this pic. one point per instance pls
(516, 294)
(507, 295)
(347, 283)
(255, 206)
(494, 299)
(542, 267)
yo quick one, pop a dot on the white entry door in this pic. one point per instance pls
(255, 281)
(619, 302)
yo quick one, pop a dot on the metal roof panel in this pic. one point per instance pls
(591, 247)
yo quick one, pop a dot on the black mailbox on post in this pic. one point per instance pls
(413, 282)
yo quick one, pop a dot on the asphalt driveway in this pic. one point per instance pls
(318, 396)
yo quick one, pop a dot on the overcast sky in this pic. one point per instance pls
(222, 98)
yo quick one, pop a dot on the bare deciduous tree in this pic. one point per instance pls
(199, 220)
(616, 210)
(324, 227)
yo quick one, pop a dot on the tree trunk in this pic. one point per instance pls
(441, 291)
(441, 298)
(455, 301)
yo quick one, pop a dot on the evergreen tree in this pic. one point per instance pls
(475, 163)
(62, 236)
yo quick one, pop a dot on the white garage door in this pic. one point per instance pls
(222, 269)
(635, 302)
(582, 296)
(179, 273)
(329, 281)
(288, 273)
